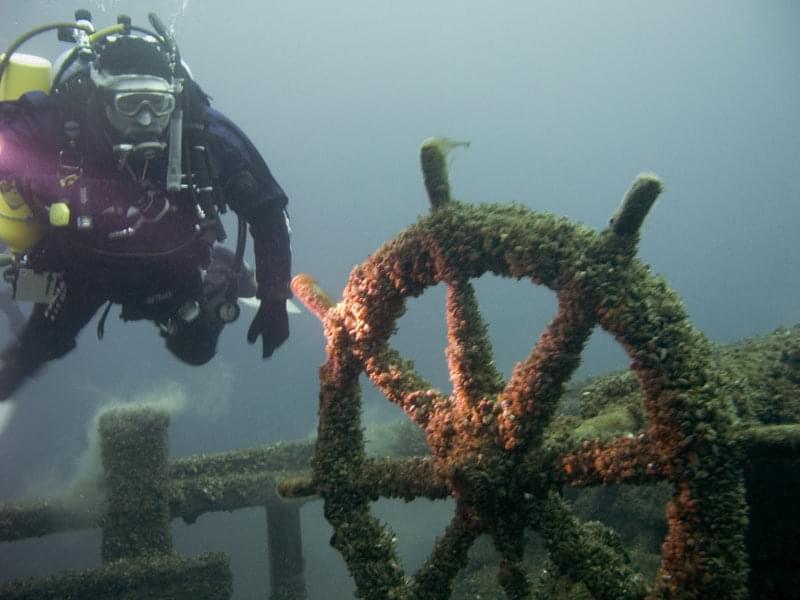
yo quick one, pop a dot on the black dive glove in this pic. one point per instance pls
(272, 324)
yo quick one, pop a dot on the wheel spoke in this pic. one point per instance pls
(512, 572)
(408, 479)
(537, 384)
(581, 553)
(469, 351)
(630, 460)
(434, 579)
(398, 381)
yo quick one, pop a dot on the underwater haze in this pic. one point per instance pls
(563, 103)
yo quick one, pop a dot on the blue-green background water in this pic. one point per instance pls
(564, 103)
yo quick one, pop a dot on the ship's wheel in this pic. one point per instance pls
(488, 439)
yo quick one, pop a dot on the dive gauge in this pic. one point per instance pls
(228, 311)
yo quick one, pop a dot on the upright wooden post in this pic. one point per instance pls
(285, 547)
(135, 459)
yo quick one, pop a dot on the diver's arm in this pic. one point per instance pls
(28, 128)
(13, 155)
(254, 194)
(269, 226)
(273, 268)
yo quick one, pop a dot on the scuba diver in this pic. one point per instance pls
(111, 188)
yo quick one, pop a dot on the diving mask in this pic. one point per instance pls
(138, 107)
(130, 103)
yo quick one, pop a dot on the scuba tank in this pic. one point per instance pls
(19, 74)
(18, 229)
(24, 73)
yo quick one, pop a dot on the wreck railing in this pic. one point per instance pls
(144, 492)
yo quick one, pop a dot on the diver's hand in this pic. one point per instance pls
(272, 324)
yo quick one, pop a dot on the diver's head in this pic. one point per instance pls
(133, 79)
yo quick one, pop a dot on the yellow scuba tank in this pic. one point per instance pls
(24, 73)
(18, 230)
